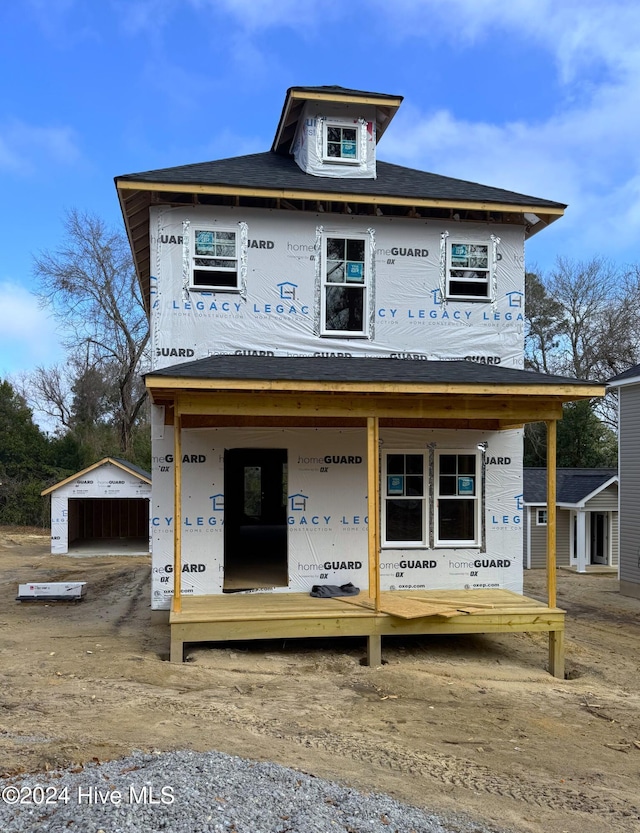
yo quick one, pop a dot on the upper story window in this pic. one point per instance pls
(341, 143)
(468, 271)
(214, 259)
(458, 492)
(541, 517)
(345, 269)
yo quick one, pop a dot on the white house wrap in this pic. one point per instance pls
(337, 373)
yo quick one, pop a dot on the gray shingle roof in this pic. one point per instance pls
(133, 468)
(333, 89)
(273, 171)
(572, 485)
(631, 373)
(342, 369)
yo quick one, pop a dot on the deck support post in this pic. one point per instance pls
(556, 654)
(374, 649)
(177, 650)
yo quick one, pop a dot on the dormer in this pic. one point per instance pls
(333, 131)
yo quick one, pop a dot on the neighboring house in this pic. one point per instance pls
(587, 517)
(627, 385)
(337, 385)
(102, 509)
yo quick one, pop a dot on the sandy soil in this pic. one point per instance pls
(461, 725)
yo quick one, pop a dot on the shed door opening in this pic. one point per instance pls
(109, 525)
(255, 519)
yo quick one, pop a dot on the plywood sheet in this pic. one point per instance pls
(403, 607)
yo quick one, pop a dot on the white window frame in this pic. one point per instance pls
(389, 543)
(364, 286)
(539, 513)
(214, 259)
(468, 281)
(478, 497)
(340, 160)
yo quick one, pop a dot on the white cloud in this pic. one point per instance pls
(584, 154)
(263, 14)
(24, 148)
(577, 32)
(28, 335)
(147, 16)
(226, 143)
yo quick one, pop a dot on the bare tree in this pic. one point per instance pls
(91, 287)
(578, 321)
(48, 391)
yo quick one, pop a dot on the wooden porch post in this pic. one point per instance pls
(374, 641)
(551, 513)
(556, 638)
(177, 509)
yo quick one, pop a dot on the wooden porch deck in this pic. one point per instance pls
(222, 618)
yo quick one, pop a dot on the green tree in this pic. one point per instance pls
(24, 457)
(583, 440)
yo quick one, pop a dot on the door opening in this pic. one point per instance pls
(255, 519)
(599, 538)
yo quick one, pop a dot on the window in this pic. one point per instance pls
(468, 272)
(341, 143)
(214, 259)
(404, 493)
(345, 275)
(541, 517)
(457, 516)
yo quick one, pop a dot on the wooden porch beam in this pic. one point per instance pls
(506, 409)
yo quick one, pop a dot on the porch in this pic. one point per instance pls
(224, 618)
(370, 394)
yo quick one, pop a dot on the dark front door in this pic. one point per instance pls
(599, 538)
(255, 518)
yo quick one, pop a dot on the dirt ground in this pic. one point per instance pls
(460, 725)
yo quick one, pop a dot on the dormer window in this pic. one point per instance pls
(340, 143)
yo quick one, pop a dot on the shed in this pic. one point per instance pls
(102, 509)
(587, 517)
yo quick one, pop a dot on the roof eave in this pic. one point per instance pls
(562, 392)
(550, 212)
(91, 468)
(632, 380)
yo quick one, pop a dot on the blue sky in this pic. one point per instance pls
(536, 96)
